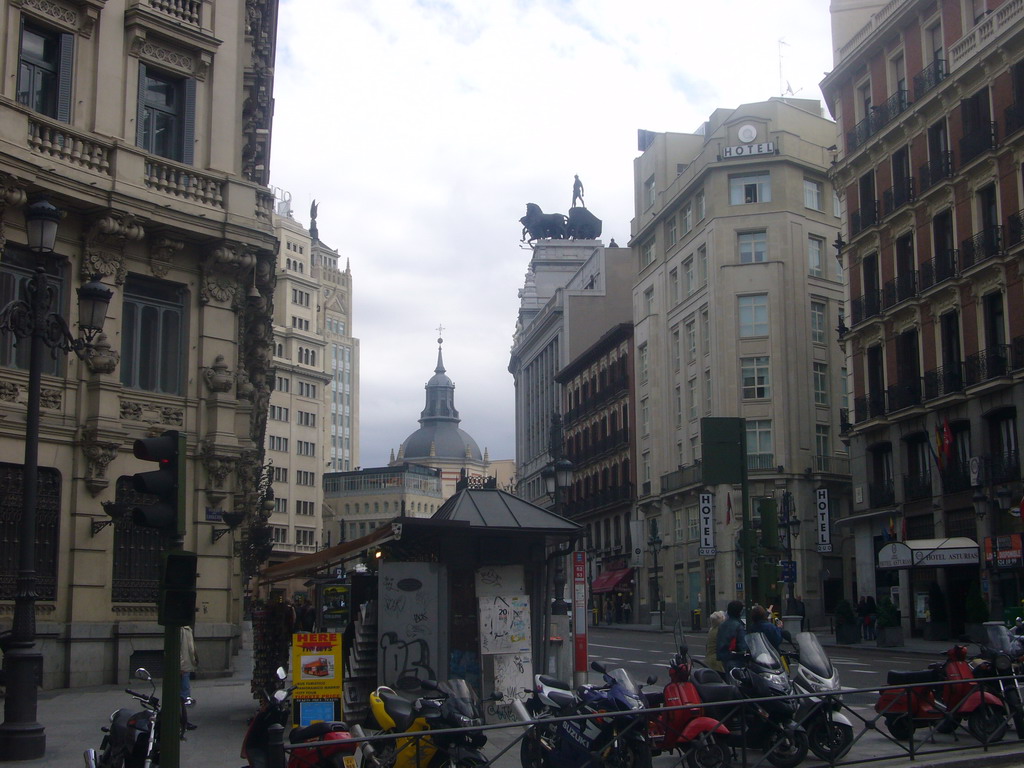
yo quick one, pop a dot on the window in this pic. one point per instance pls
(759, 442)
(279, 534)
(708, 392)
(815, 251)
(304, 507)
(679, 406)
(282, 383)
(280, 474)
(300, 297)
(277, 443)
(44, 71)
(649, 192)
(646, 253)
(165, 122)
(822, 442)
(306, 389)
(751, 188)
(671, 233)
(837, 209)
(302, 477)
(818, 322)
(153, 347)
(692, 523)
(645, 417)
(677, 525)
(304, 537)
(649, 301)
(699, 204)
(676, 350)
(687, 216)
(753, 247)
(821, 383)
(15, 271)
(691, 396)
(688, 276)
(300, 323)
(814, 193)
(844, 391)
(304, 448)
(753, 315)
(673, 286)
(641, 356)
(691, 341)
(306, 419)
(280, 505)
(756, 377)
(702, 264)
(277, 413)
(705, 331)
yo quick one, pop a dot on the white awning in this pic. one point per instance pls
(928, 553)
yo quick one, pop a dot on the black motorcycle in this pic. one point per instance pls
(1001, 656)
(768, 726)
(132, 740)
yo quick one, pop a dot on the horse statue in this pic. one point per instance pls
(583, 225)
(541, 225)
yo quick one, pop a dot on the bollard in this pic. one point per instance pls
(275, 746)
(695, 620)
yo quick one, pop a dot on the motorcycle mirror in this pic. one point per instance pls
(143, 674)
(683, 649)
(652, 679)
(280, 696)
(497, 696)
(597, 667)
(281, 674)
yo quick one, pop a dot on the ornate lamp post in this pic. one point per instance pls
(32, 317)
(557, 477)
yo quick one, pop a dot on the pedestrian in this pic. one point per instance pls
(627, 611)
(618, 611)
(862, 616)
(710, 655)
(731, 644)
(760, 622)
(609, 610)
(872, 617)
(801, 611)
(189, 664)
(307, 615)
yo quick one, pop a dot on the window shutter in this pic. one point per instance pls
(65, 76)
(140, 110)
(189, 128)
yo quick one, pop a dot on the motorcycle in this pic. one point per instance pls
(275, 709)
(450, 705)
(767, 725)
(1000, 656)
(618, 741)
(132, 740)
(829, 731)
(698, 739)
(922, 703)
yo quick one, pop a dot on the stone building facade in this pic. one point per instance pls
(107, 109)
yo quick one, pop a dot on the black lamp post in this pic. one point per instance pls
(792, 525)
(21, 736)
(655, 544)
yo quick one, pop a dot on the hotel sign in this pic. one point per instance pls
(745, 150)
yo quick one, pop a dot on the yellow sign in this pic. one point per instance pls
(316, 665)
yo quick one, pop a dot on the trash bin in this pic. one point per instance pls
(695, 620)
(792, 624)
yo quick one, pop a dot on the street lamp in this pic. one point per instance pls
(557, 476)
(792, 525)
(21, 736)
(655, 544)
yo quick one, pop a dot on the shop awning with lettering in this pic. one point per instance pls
(928, 553)
(609, 581)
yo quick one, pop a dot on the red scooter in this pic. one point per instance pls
(942, 696)
(697, 738)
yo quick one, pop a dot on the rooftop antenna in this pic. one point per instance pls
(782, 42)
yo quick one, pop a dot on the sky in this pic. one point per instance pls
(423, 127)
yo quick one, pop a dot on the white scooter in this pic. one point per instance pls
(829, 731)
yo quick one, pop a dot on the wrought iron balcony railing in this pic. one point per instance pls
(917, 486)
(900, 288)
(981, 139)
(760, 462)
(886, 112)
(881, 493)
(863, 307)
(929, 77)
(1015, 228)
(935, 170)
(1004, 467)
(861, 132)
(866, 217)
(844, 421)
(942, 381)
(943, 267)
(956, 476)
(981, 245)
(904, 394)
(987, 364)
(1013, 118)
(868, 407)
(897, 196)
(1017, 353)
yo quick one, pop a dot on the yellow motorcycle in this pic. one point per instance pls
(447, 705)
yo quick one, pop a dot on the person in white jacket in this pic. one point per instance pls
(189, 664)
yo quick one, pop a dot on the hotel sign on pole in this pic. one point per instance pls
(746, 150)
(707, 525)
(823, 526)
(579, 610)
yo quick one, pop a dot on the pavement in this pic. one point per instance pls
(73, 718)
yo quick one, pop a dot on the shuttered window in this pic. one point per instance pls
(166, 118)
(45, 63)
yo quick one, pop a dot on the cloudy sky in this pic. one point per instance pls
(424, 127)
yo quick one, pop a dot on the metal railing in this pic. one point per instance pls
(1015, 228)
(917, 486)
(882, 493)
(865, 306)
(944, 380)
(929, 77)
(935, 170)
(899, 289)
(1013, 118)
(981, 139)
(987, 364)
(866, 216)
(981, 245)
(898, 195)
(939, 269)
(904, 394)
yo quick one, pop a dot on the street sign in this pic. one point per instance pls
(707, 526)
(788, 571)
(579, 610)
(823, 526)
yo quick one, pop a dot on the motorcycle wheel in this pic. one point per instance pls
(789, 750)
(901, 727)
(634, 754)
(708, 754)
(829, 740)
(531, 752)
(987, 724)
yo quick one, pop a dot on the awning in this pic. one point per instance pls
(609, 580)
(928, 553)
(859, 518)
(325, 558)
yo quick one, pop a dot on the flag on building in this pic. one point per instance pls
(947, 443)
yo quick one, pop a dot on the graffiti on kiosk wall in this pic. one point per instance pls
(407, 663)
(505, 624)
(408, 623)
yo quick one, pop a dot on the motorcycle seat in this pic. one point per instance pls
(553, 682)
(399, 708)
(562, 699)
(706, 675)
(713, 692)
(315, 731)
(914, 677)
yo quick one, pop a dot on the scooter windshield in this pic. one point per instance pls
(813, 656)
(763, 653)
(999, 639)
(462, 699)
(629, 689)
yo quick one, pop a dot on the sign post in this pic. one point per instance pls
(824, 528)
(707, 526)
(579, 617)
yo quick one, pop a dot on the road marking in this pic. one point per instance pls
(614, 647)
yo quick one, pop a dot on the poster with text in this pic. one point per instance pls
(505, 624)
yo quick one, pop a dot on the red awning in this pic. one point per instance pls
(610, 580)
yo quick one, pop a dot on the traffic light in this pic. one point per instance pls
(769, 523)
(166, 484)
(177, 606)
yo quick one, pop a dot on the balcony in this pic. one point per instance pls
(1004, 467)
(833, 465)
(942, 381)
(955, 477)
(1013, 118)
(609, 391)
(897, 196)
(859, 135)
(600, 446)
(929, 77)
(1015, 228)
(904, 394)
(603, 498)
(844, 421)
(917, 486)
(882, 493)
(868, 407)
(866, 217)
(986, 365)
(1017, 353)
(935, 170)
(980, 246)
(886, 112)
(681, 478)
(981, 139)
(943, 267)
(761, 462)
(899, 289)
(863, 307)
